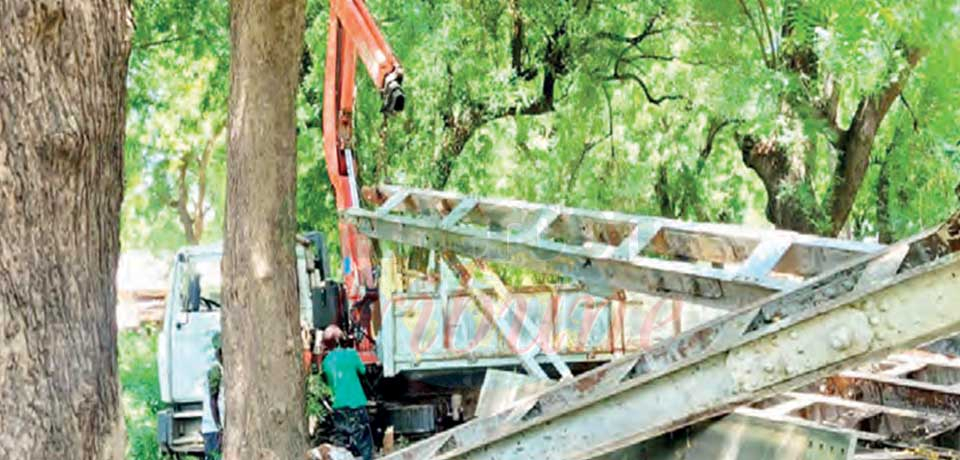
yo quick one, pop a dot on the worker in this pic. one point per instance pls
(211, 425)
(342, 369)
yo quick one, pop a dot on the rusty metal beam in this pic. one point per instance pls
(894, 392)
(741, 436)
(724, 266)
(504, 324)
(754, 353)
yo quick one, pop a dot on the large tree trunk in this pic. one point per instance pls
(63, 66)
(791, 202)
(263, 374)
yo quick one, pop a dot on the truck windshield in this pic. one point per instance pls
(201, 284)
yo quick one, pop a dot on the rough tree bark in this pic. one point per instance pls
(63, 67)
(263, 374)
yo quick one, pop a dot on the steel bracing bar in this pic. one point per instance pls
(895, 299)
(724, 266)
(504, 323)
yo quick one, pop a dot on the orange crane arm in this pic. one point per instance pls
(353, 33)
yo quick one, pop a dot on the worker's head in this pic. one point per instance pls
(332, 336)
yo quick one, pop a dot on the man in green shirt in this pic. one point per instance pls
(342, 368)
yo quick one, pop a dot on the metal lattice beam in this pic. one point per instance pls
(716, 265)
(860, 310)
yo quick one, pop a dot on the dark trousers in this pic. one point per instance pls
(351, 429)
(211, 446)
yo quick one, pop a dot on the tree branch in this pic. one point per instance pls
(856, 144)
(140, 46)
(766, 25)
(662, 192)
(756, 31)
(916, 123)
(459, 127)
(652, 57)
(200, 211)
(555, 56)
(648, 31)
(830, 104)
(716, 125)
(517, 43)
(884, 226)
(606, 95)
(575, 170)
(186, 220)
(655, 100)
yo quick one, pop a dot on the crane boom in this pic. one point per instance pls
(352, 32)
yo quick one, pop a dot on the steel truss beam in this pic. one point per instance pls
(725, 266)
(864, 309)
(503, 323)
(741, 436)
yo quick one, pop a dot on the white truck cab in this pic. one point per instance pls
(184, 348)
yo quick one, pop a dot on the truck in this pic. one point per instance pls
(434, 335)
(432, 346)
(184, 349)
(429, 338)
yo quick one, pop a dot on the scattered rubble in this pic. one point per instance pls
(329, 452)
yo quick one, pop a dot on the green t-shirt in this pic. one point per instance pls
(342, 368)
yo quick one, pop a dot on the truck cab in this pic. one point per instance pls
(184, 349)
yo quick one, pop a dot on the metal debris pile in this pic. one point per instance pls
(802, 309)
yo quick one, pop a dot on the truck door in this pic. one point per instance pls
(196, 319)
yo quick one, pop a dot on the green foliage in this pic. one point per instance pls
(317, 393)
(638, 87)
(177, 108)
(140, 392)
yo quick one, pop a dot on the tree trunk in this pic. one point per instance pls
(856, 144)
(183, 200)
(884, 225)
(791, 203)
(194, 222)
(63, 67)
(264, 378)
